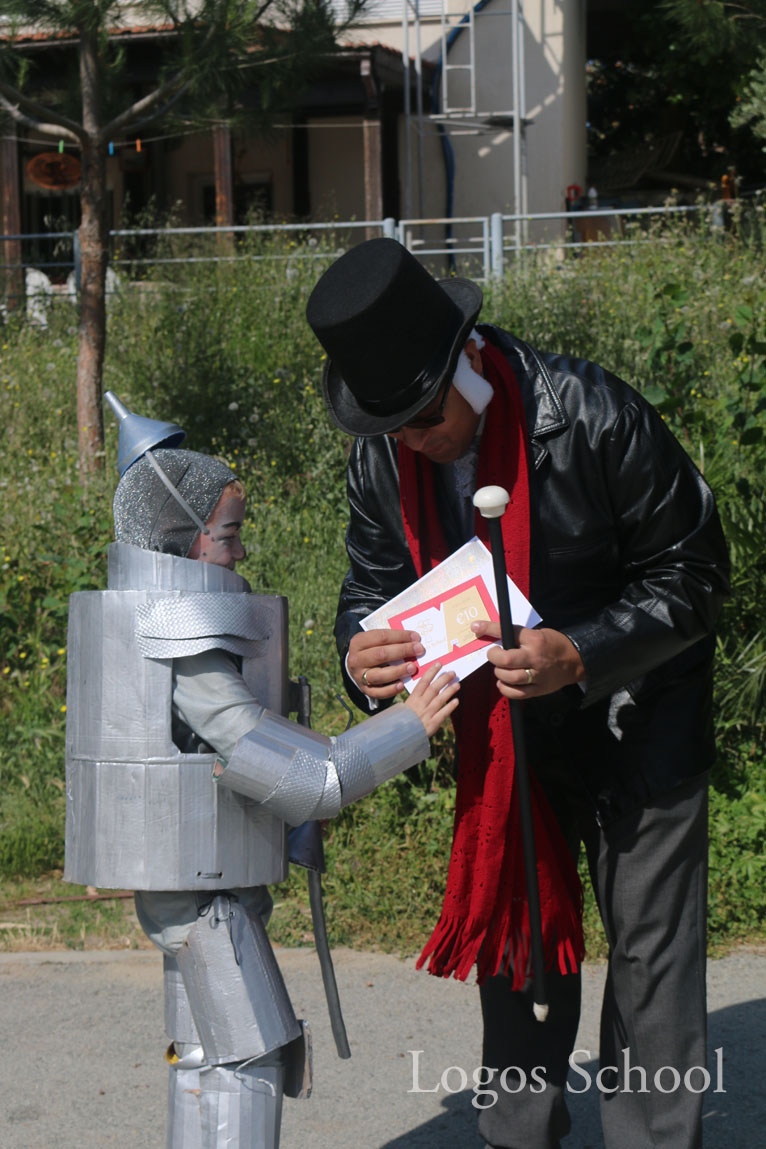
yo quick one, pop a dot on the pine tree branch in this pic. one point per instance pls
(145, 110)
(261, 12)
(166, 94)
(744, 12)
(34, 115)
(267, 62)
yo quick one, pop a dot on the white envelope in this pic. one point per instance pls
(441, 606)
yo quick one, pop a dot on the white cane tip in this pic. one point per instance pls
(540, 1011)
(491, 501)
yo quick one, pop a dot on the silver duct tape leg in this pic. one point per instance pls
(184, 1129)
(179, 1023)
(225, 1106)
(241, 1106)
(236, 992)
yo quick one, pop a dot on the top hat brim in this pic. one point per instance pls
(348, 414)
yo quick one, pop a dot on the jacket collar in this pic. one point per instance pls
(544, 410)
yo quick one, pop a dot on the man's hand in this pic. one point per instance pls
(377, 660)
(545, 661)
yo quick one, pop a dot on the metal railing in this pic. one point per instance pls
(385, 227)
(479, 246)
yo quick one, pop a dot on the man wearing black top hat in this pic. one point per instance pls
(615, 535)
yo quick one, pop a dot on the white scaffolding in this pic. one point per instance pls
(461, 111)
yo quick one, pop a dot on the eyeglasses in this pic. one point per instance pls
(423, 422)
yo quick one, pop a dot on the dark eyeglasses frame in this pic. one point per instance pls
(423, 422)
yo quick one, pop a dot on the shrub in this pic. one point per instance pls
(227, 354)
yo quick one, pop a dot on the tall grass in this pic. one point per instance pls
(225, 351)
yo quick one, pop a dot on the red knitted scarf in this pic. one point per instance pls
(485, 917)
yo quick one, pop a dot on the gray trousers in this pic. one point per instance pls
(649, 873)
(166, 917)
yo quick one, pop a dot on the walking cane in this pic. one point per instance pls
(306, 849)
(491, 502)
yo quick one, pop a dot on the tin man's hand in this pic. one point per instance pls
(544, 661)
(379, 659)
(433, 699)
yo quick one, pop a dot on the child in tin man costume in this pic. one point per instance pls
(173, 671)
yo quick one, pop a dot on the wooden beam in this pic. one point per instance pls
(372, 144)
(11, 277)
(373, 172)
(224, 182)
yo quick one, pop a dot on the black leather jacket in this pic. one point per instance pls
(628, 560)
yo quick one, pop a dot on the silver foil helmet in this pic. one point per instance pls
(146, 513)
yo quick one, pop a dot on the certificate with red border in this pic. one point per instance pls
(441, 606)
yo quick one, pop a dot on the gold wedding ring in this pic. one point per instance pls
(530, 676)
(364, 679)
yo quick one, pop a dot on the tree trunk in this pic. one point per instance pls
(93, 255)
(90, 360)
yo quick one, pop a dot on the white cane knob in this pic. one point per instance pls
(491, 501)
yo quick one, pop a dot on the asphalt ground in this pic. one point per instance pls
(81, 1055)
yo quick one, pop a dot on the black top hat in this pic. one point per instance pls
(392, 334)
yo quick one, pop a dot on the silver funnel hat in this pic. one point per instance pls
(139, 435)
(165, 496)
(152, 509)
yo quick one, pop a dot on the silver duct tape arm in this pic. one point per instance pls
(236, 992)
(299, 775)
(286, 769)
(378, 749)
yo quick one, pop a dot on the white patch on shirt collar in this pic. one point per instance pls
(476, 391)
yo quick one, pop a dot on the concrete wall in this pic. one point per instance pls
(556, 102)
(554, 49)
(190, 170)
(336, 168)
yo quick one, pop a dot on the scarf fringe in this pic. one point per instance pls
(453, 949)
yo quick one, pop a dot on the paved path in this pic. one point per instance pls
(82, 1039)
